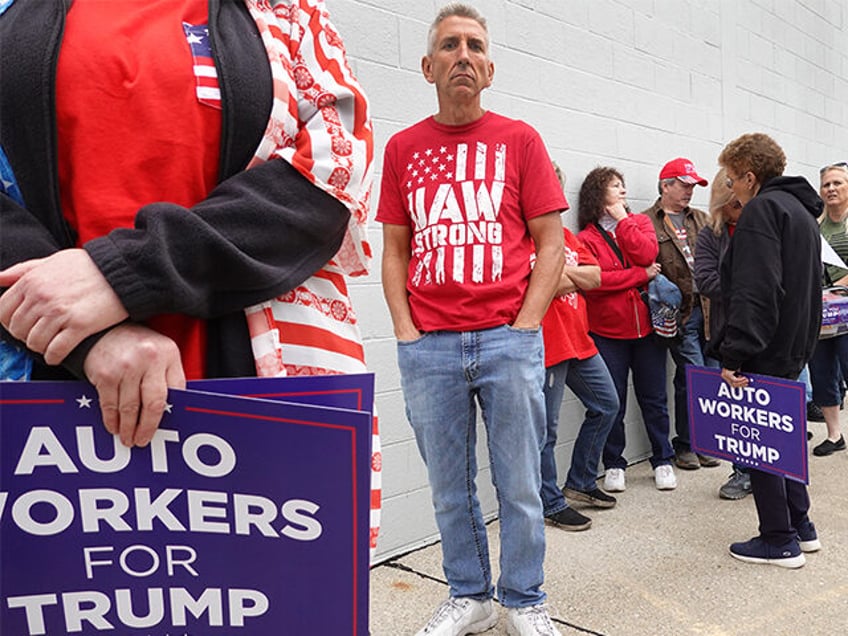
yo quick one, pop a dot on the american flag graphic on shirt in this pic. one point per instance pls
(454, 194)
(205, 76)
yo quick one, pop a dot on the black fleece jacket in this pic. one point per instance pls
(257, 235)
(771, 281)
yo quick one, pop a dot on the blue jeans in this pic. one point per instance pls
(443, 376)
(827, 367)
(688, 349)
(646, 358)
(590, 381)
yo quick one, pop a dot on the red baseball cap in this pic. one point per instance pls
(682, 169)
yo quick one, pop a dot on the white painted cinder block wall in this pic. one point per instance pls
(628, 83)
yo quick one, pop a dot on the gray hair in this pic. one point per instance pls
(559, 174)
(668, 181)
(459, 10)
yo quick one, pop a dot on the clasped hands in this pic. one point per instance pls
(52, 304)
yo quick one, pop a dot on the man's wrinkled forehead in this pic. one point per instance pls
(468, 30)
(453, 25)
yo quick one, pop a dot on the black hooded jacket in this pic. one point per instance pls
(771, 281)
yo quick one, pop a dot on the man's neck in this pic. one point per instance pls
(459, 114)
(670, 210)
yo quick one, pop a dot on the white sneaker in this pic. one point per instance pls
(664, 477)
(614, 480)
(460, 616)
(530, 621)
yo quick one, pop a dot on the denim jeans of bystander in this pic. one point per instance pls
(646, 359)
(591, 382)
(444, 375)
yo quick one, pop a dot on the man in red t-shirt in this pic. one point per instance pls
(465, 196)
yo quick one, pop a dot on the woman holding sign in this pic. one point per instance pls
(193, 184)
(772, 298)
(830, 360)
(175, 192)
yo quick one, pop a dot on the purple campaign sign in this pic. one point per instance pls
(354, 391)
(761, 426)
(243, 516)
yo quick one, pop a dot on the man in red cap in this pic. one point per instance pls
(677, 226)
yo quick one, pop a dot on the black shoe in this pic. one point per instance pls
(686, 460)
(756, 550)
(827, 447)
(707, 462)
(569, 519)
(808, 538)
(814, 412)
(597, 497)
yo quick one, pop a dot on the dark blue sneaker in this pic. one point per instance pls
(756, 550)
(808, 540)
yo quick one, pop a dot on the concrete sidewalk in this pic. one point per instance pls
(658, 564)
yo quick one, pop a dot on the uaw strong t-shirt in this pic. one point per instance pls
(467, 192)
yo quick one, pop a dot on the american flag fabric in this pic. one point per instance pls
(205, 75)
(320, 123)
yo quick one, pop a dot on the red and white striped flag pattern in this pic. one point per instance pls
(319, 123)
(205, 75)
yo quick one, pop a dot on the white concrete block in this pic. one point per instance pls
(613, 20)
(403, 469)
(587, 51)
(413, 40)
(378, 323)
(574, 12)
(358, 23)
(394, 426)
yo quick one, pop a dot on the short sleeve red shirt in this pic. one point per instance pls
(133, 128)
(565, 326)
(467, 192)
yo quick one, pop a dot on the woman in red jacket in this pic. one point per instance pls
(626, 247)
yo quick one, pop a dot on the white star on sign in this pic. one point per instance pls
(84, 402)
(168, 407)
(193, 38)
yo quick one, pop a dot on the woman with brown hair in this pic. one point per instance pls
(625, 246)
